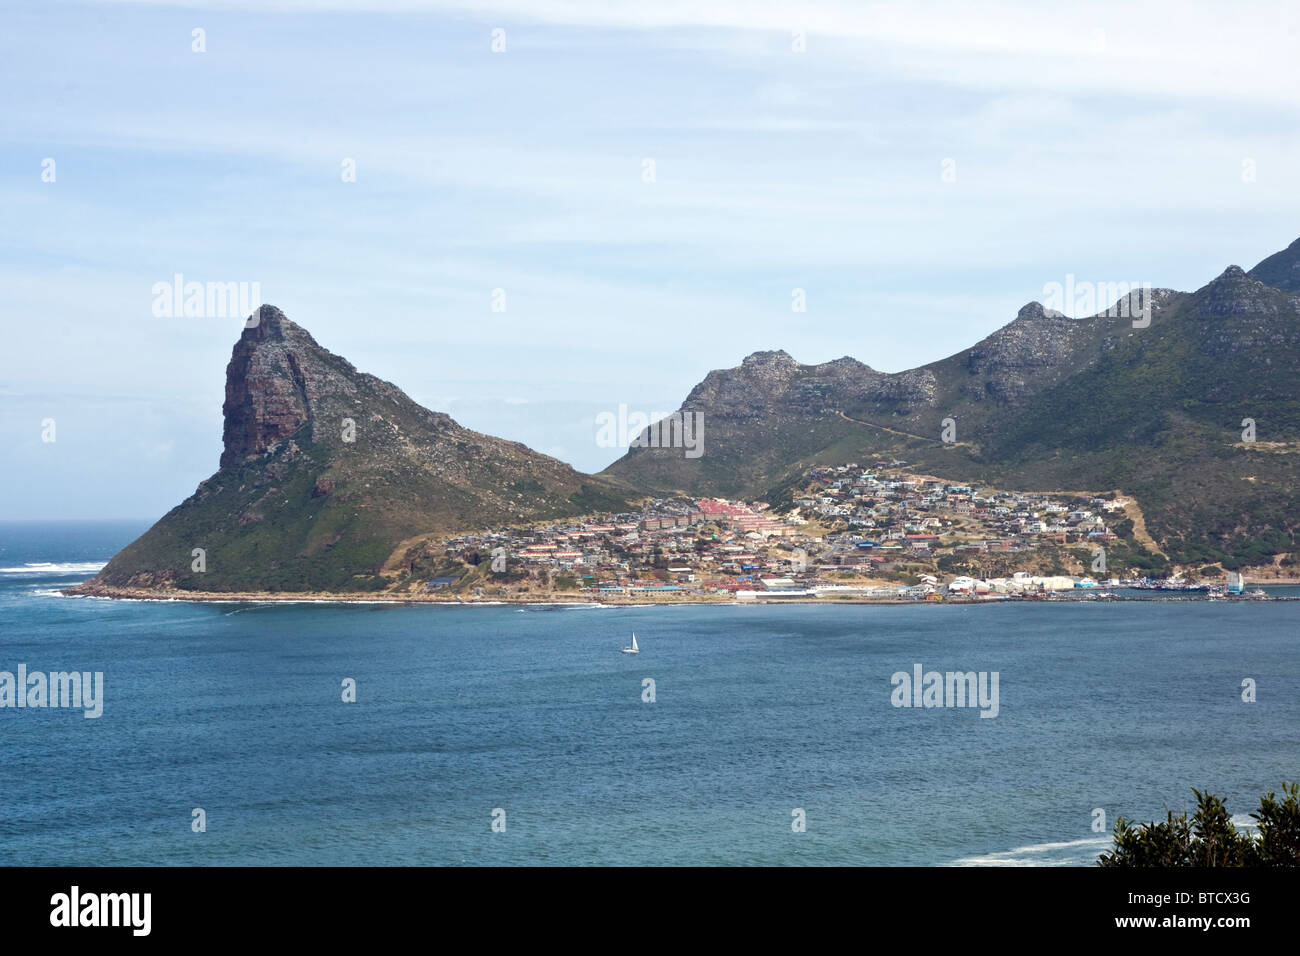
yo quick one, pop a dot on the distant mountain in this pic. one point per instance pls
(326, 472)
(1048, 402)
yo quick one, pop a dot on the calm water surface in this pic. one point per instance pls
(237, 709)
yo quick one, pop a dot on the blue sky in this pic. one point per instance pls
(1101, 141)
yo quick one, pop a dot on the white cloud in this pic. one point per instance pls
(1114, 160)
(1166, 48)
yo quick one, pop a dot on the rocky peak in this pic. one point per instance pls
(1023, 355)
(759, 379)
(269, 324)
(1036, 310)
(845, 365)
(1236, 293)
(275, 379)
(1242, 319)
(779, 359)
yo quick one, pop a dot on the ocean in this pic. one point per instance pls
(512, 735)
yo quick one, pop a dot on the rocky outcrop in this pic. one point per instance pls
(903, 392)
(1019, 358)
(271, 382)
(1237, 294)
(325, 470)
(1247, 329)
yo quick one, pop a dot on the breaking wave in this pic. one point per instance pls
(1068, 853)
(63, 567)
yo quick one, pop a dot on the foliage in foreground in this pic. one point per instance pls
(1210, 839)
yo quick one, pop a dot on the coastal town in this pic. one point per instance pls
(874, 531)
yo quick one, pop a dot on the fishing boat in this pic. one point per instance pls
(633, 649)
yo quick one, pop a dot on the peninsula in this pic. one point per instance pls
(817, 482)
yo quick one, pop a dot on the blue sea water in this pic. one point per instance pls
(237, 709)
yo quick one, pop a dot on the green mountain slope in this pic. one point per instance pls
(1048, 402)
(326, 471)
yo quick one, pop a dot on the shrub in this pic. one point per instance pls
(1209, 839)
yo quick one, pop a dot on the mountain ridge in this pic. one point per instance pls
(326, 472)
(1105, 401)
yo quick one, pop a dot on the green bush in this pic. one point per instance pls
(1209, 839)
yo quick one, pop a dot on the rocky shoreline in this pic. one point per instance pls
(89, 590)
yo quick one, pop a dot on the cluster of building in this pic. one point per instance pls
(889, 514)
(844, 524)
(707, 545)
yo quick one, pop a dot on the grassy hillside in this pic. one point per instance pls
(327, 470)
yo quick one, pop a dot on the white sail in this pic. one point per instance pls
(634, 647)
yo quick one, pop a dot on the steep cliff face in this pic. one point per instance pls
(272, 383)
(279, 381)
(325, 470)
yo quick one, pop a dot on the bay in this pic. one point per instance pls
(758, 712)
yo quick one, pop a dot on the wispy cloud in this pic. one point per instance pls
(1105, 140)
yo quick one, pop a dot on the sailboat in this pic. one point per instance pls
(633, 649)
